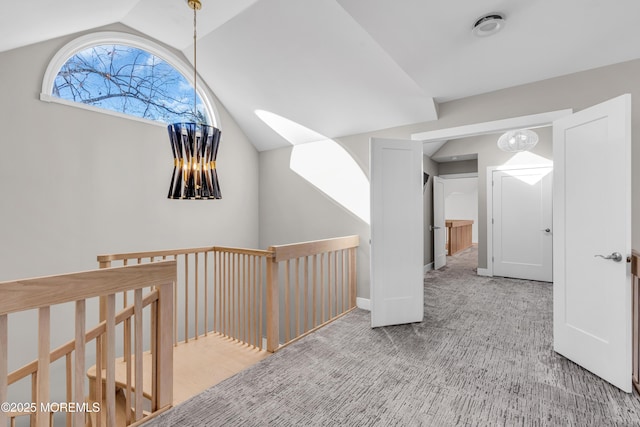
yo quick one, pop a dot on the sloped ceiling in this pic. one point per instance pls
(340, 67)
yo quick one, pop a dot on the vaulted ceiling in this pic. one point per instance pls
(340, 67)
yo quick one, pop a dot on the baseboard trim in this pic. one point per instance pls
(428, 267)
(363, 303)
(484, 272)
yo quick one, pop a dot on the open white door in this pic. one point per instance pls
(439, 229)
(592, 218)
(397, 278)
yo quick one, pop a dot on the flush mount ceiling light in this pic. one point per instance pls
(488, 25)
(517, 140)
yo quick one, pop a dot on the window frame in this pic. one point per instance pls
(113, 37)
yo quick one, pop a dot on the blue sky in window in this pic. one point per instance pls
(128, 80)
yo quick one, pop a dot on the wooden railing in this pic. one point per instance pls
(635, 283)
(42, 294)
(222, 289)
(315, 283)
(219, 290)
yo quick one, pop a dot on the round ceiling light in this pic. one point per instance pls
(488, 25)
(518, 140)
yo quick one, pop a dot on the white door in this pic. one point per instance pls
(592, 217)
(439, 229)
(396, 232)
(522, 221)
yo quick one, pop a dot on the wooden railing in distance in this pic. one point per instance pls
(308, 285)
(635, 283)
(219, 290)
(43, 293)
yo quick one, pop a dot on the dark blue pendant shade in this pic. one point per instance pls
(195, 148)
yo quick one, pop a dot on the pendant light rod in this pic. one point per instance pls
(195, 5)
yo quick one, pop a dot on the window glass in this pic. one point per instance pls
(128, 80)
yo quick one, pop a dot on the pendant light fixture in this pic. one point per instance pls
(194, 146)
(518, 140)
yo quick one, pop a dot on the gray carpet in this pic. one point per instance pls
(482, 357)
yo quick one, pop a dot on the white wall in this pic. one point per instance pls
(76, 183)
(576, 91)
(461, 201)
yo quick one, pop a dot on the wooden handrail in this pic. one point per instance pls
(183, 251)
(299, 250)
(44, 292)
(26, 294)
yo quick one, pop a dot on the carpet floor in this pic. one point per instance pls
(482, 357)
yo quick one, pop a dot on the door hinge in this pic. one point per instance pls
(491, 220)
(493, 259)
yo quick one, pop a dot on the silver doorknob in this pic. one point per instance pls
(615, 256)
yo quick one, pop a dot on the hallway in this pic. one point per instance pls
(482, 356)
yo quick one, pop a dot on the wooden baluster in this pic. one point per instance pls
(287, 309)
(138, 340)
(80, 368)
(237, 296)
(97, 387)
(330, 300)
(127, 361)
(259, 284)
(322, 296)
(4, 364)
(175, 312)
(227, 291)
(69, 386)
(343, 280)
(44, 347)
(111, 360)
(163, 372)
(314, 290)
(186, 298)
(272, 308)
(216, 291)
(306, 294)
(335, 281)
(254, 307)
(353, 252)
(206, 293)
(297, 296)
(195, 288)
(247, 307)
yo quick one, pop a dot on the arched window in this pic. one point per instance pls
(126, 75)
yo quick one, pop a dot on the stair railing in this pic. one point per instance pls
(44, 293)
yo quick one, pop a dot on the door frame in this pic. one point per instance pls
(489, 198)
(484, 128)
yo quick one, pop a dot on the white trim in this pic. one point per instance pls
(428, 267)
(484, 272)
(49, 98)
(533, 120)
(459, 175)
(107, 37)
(363, 303)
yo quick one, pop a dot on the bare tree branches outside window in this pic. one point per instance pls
(128, 80)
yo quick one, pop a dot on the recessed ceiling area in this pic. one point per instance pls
(343, 67)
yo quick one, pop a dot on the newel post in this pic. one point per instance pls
(164, 342)
(272, 308)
